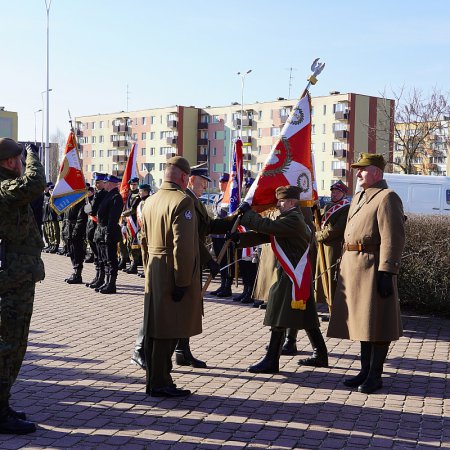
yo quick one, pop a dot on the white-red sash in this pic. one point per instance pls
(336, 207)
(132, 226)
(299, 275)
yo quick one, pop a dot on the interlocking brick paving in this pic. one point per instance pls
(78, 384)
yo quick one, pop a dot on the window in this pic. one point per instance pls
(172, 116)
(134, 137)
(143, 135)
(101, 139)
(143, 151)
(152, 151)
(214, 152)
(102, 124)
(323, 146)
(259, 166)
(93, 139)
(144, 121)
(323, 166)
(93, 125)
(259, 149)
(275, 131)
(324, 109)
(219, 167)
(162, 166)
(313, 147)
(100, 168)
(93, 168)
(324, 128)
(166, 134)
(215, 119)
(337, 165)
(153, 120)
(312, 110)
(259, 132)
(152, 135)
(204, 118)
(260, 115)
(165, 150)
(313, 128)
(323, 184)
(101, 154)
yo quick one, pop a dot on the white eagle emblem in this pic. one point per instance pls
(188, 214)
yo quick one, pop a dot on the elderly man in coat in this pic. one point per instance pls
(290, 236)
(365, 305)
(173, 305)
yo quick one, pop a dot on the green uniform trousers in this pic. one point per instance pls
(159, 352)
(16, 307)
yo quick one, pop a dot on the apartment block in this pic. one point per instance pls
(343, 125)
(8, 124)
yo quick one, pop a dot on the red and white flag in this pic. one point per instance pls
(289, 162)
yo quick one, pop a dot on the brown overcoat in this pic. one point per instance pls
(359, 312)
(170, 232)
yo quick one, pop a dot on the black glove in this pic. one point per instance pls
(244, 207)
(178, 293)
(234, 237)
(213, 267)
(385, 284)
(29, 147)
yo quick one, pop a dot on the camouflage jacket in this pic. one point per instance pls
(18, 228)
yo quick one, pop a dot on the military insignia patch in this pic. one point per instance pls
(188, 214)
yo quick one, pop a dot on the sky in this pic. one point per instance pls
(188, 52)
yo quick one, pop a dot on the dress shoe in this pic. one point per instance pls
(257, 303)
(17, 414)
(13, 425)
(138, 359)
(169, 391)
(263, 306)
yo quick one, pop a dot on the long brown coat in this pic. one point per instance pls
(359, 312)
(170, 232)
(293, 236)
(332, 237)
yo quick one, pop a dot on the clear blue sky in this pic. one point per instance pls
(188, 52)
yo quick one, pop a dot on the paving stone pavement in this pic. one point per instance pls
(78, 384)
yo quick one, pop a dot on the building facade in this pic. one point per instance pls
(8, 124)
(343, 125)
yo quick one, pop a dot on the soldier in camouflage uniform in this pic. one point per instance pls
(20, 268)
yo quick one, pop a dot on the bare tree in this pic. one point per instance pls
(57, 147)
(420, 128)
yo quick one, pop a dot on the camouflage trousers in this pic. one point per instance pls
(52, 233)
(16, 307)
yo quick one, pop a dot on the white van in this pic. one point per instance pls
(421, 194)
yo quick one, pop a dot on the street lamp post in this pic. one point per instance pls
(42, 130)
(243, 75)
(48, 3)
(39, 110)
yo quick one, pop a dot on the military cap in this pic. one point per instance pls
(370, 159)
(181, 163)
(100, 176)
(49, 183)
(340, 186)
(200, 171)
(145, 187)
(51, 186)
(91, 189)
(9, 148)
(288, 192)
(224, 177)
(113, 179)
(134, 180)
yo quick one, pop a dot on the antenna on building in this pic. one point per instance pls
(290, 79)
(128, 97)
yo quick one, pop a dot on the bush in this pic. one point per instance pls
(424, 278)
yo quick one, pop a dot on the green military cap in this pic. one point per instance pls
(181, 163)
(144, 186)
(370, 159)
(9, 148)
(288, 192)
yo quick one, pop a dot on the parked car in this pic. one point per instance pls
(208, 199)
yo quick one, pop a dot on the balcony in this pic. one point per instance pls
(202, 125)
(245, 123)
(247, 156)
(340, 153)
(339, 173)
(117, 173)
(202, 158)
(79, 132)
(341, 115)
(121, 128)
(170, 155)
(202, 141)
(246, 139)
(121, 143)
(172, 140)
(341, 134)
(172, 123)
(119, 159)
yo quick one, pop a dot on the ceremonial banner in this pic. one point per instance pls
(130, 172)
(232, 194)
(70, 188)
(289, 162)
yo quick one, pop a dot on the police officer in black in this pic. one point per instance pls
(108, 234)
(75, 233)
(91, 209)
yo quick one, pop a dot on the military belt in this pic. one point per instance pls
(23, 250)
(364, 248)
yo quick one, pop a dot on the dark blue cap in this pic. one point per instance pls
(100, 176)
(134, 180)
(224, 177)
(113, 179)
(49, 183)
(200, 172)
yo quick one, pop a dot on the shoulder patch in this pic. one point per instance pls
(188, 214)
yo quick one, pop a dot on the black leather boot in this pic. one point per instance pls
(226, 291)
(271, 362)
(239, 297)
(106, 281)
(110, 287)
(184, 356)
(10, 423)
(366, 351)
(100, 280)
(122, 264)
(290, 344)
(89, 259)
(97, 274)
(132, 269)
(319, 357)
(75, 278)
(222, 286)
(373, 381)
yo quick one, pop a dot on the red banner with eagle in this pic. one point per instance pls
(289, 162)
